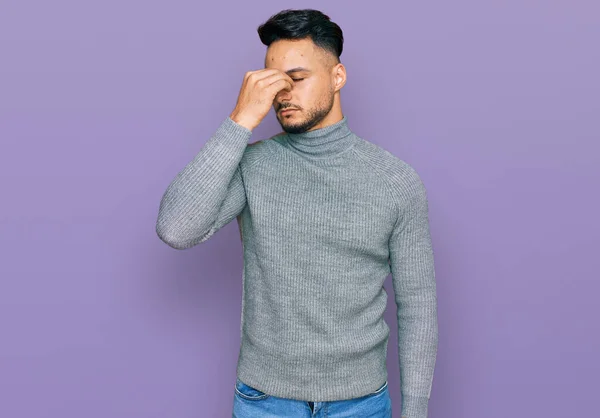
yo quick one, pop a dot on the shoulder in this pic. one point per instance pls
(259, 150)
(402, 178)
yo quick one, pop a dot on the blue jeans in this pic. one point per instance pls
(249, 402)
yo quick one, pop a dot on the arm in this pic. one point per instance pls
(413, 278)
(239, 217)
(208, 193)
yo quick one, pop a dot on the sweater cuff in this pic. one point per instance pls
(414, 406)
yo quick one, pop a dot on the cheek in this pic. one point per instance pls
(310, 93)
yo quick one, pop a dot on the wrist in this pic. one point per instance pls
(414, 406)
(240, 120)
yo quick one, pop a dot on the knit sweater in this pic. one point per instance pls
(325, 217)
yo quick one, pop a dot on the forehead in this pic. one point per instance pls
(286, 54)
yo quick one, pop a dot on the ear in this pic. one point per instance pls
(340, 80)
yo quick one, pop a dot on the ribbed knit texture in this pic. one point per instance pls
(325, 217)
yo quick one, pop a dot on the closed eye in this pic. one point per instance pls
(297, 79)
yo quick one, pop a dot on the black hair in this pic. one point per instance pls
(301, 24)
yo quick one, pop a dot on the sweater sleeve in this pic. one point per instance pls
(413, 278)
(208, 192)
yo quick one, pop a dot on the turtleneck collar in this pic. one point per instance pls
(323, 142)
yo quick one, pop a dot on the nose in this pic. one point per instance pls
(283, 95)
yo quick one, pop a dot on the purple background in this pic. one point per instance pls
(495, 104)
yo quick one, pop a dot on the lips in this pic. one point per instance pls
(286, 111)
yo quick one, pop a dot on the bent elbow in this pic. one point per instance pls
(175, 239)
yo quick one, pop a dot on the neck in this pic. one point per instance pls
(323, 142)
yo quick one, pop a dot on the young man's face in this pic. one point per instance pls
(312, 95)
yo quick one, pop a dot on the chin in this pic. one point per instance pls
(291, 116)
(289, 121)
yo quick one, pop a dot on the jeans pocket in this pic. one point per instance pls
(245, 391)
(380, 390)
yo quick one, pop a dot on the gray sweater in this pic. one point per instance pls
(325, 217)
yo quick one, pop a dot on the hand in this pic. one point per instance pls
(257, 93)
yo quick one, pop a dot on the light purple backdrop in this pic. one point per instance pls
(101, 104)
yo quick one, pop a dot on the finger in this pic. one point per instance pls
(249, 73)
(286, 76)
(262, 74)
(274, 77)
(278, 85)
(273, 84)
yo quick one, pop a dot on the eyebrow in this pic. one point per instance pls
(297, 70)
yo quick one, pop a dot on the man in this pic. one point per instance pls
(324, 216)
